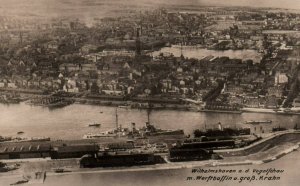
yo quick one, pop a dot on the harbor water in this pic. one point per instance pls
(72, 122)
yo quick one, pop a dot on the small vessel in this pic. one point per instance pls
(32, 139)
(10, 99)
(5, 168)
(253, 122)
(35, 178)
(124, 106)
(95, 125)
(20, 182)
(20, 132)
(99, 135)
(59, 170)
(277, 129)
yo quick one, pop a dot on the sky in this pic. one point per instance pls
(98, 8)
(290, 4)
(294, 4)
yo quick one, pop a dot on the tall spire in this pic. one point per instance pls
(138, 42)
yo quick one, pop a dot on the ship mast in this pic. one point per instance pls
(148, 115)
(117, 125)
(181, 53)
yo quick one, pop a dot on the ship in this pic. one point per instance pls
(35, 178)
(147, 131)
(10, 99)
(59, 170)
(253, 122)
(60, 104)
(279, 128)
(5, 168)
(39, 139)
(51, 102)
(124, 106)
(191, 150)
(99, 135)
(151, 130)
(33, 139)
(5, 139)
(20, 182)
(222, 132)
(117, 159)
(94, 125)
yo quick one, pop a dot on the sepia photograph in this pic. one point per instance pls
(149, 92)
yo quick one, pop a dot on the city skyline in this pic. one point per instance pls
(89, 8)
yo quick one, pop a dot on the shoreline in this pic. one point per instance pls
(157, 104)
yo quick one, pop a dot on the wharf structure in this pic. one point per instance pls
(45, 150)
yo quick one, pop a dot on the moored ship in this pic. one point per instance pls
(99, 135)
(197, 150)
(253, 122)
(279, 128)
(10, 99)
(151, 130)
(118, 158)
(222, 132)
(51, 102)
(147, 131)
(94, 125)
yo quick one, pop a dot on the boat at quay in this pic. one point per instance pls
(117, 159)
(254, 122)
(51, 102)
(106, 134)
(95, 125)
(10, 99)
(145, 132)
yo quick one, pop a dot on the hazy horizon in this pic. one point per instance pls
(99, 8)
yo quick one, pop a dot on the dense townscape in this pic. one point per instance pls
(113, 58)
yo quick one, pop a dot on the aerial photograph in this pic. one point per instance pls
(149, 92)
